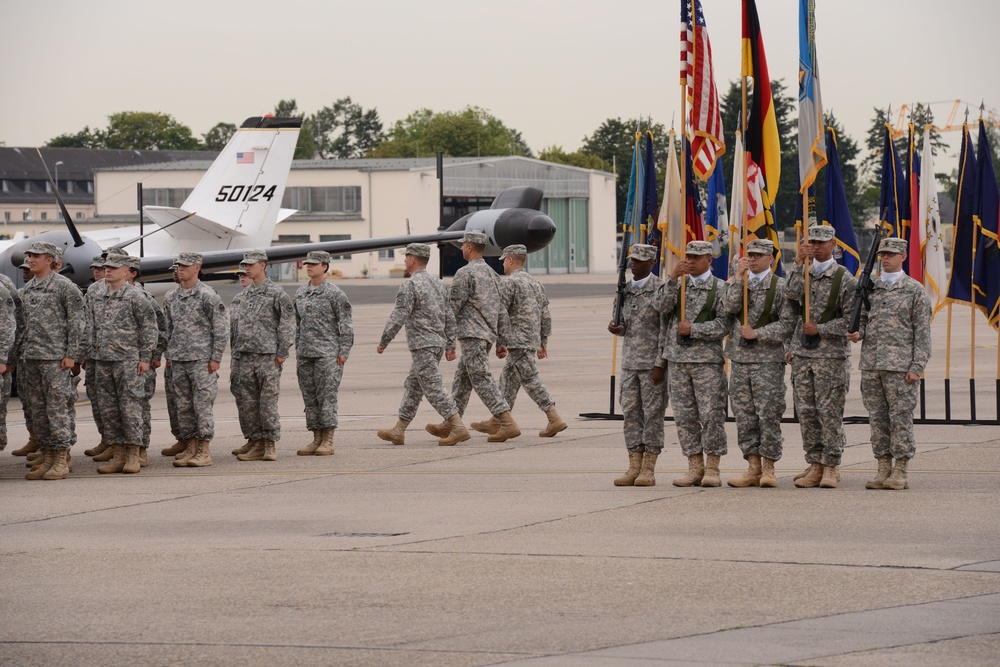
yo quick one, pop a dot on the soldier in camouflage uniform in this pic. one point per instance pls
(103, 448)
(530, 326)
(8, 337)
(264, 335)
(197, 331)
(819, 374)
(697, 378)
(234, 357)
(482, 321)
(6, 378)
(149, 385)
(180, 444)
(324, 335)
(124, 334)
(643, 392)
(422, 307)
(54, 341)
(757, 378)
(896, 335)
(30, 449)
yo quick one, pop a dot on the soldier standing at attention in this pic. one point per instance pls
(102, 452)
(482, 321)
(180, 445)
(197, 331)
(54, 340)
(819, 380)
(234, 357)
(123, 336)
(149, 388)
(895, 348)
(422, 307)
(6, 378)
(693, 348)
(643, 393)
(530, 327)
(324, 335)
(264, 334)
(30, 449)
(756, 350)
(8, 337)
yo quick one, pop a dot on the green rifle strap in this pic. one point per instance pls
(766, 315)
(832, 310)
(706, 311)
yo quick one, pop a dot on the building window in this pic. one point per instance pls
(173, 197)
(90, 187)
(26, 216)
(45, 215)
(5, 185)
(79, 215)
(6, 216)
(389, 253)
(27, 186)
(69, 187)
(336, 237)
(48, 187)
(339, 199)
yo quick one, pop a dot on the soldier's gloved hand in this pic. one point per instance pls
(615, 329)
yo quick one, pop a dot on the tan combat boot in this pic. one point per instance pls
(117, 462)
(175, 449)
(555, 425)
(767, 478)
(246, 447)
(812, 477)
(132, 464)
(256, 452)
(884, 470)
(634, 466)
(751, 477)
(48, 458)
(101, 446)
(897, 480)
(488, 426)
(143, 457)
(308, 450)
(181, 460)
(31, 446)
(695, 473)
(438, 430)
(105, 455)
(802, 474)
(711, 477)
(326, 443)
(60, 466)
(456, 432)
(34, 459)
(269, 452)
(830, 478)
(202, 456)
(508, 429)
(396, 434)
(646, 477)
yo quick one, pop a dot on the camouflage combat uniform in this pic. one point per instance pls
(123, 333)
(324, 331)
(8, 334)
(896, 337)
(757, 375)
(197, 330)
(530, 328)
(643, 403)
(422, 307)
(94, 291)
(696, 377)
(265, 331)
(55, 325)
(482, 322)
(149, 382)
(12, 354)
(820, 375)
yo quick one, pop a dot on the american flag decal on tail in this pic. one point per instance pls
(244, 157)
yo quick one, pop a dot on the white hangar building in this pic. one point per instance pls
(354, 199)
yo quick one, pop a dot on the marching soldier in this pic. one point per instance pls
(422, 307)
(324, 335)
(895, 348)
(756, 350)
(530, 326)
(643, 393)
(819, 379)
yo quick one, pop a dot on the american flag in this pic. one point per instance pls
(705, 119)
(244, 158)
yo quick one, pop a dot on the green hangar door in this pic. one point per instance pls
(569, 251)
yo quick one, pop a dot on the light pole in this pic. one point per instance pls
(57, 184)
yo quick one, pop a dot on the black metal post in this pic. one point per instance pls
(138, 193)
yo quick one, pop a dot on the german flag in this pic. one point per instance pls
(762, 143)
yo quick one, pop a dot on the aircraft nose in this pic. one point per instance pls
(541, 231)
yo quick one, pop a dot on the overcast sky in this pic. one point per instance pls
(553, 69)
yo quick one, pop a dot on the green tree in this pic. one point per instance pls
(143, 130)
(217, 138)
(575, 159)
(613, 142)
(345, 130)
(305, 149)
(471, 132)
(85, 138)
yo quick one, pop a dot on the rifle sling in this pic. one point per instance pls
(706, 311)
(832, 310)
(766, 315)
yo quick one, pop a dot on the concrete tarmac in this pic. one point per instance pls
(519, 553)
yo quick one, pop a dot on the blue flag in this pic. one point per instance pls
(633, 204)
(838, 215)
(986, 280)
(717, 224)
(649, 209)
(960, 281)
(893, 200)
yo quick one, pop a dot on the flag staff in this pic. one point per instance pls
(684, 155)
(743, 200)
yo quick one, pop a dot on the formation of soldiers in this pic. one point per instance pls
(674, 332)
(119, 336)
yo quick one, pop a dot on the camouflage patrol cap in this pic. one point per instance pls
(474, 236)
(44, 248)
(641, 252)
(24, 264)
(116, 261)
(98, 262)
(895, 245)
(254, 256)
(698, 248)
(132, 262)
(317, 257)
(514, 250)
(188, 259)
(821, 233)
(240, 270)
(761, 246)
(418, 250)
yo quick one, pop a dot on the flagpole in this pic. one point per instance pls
(947, 367)
(683, 166)
(972, 331)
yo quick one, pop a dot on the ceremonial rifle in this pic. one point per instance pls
(865, 282)
(622, 282)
